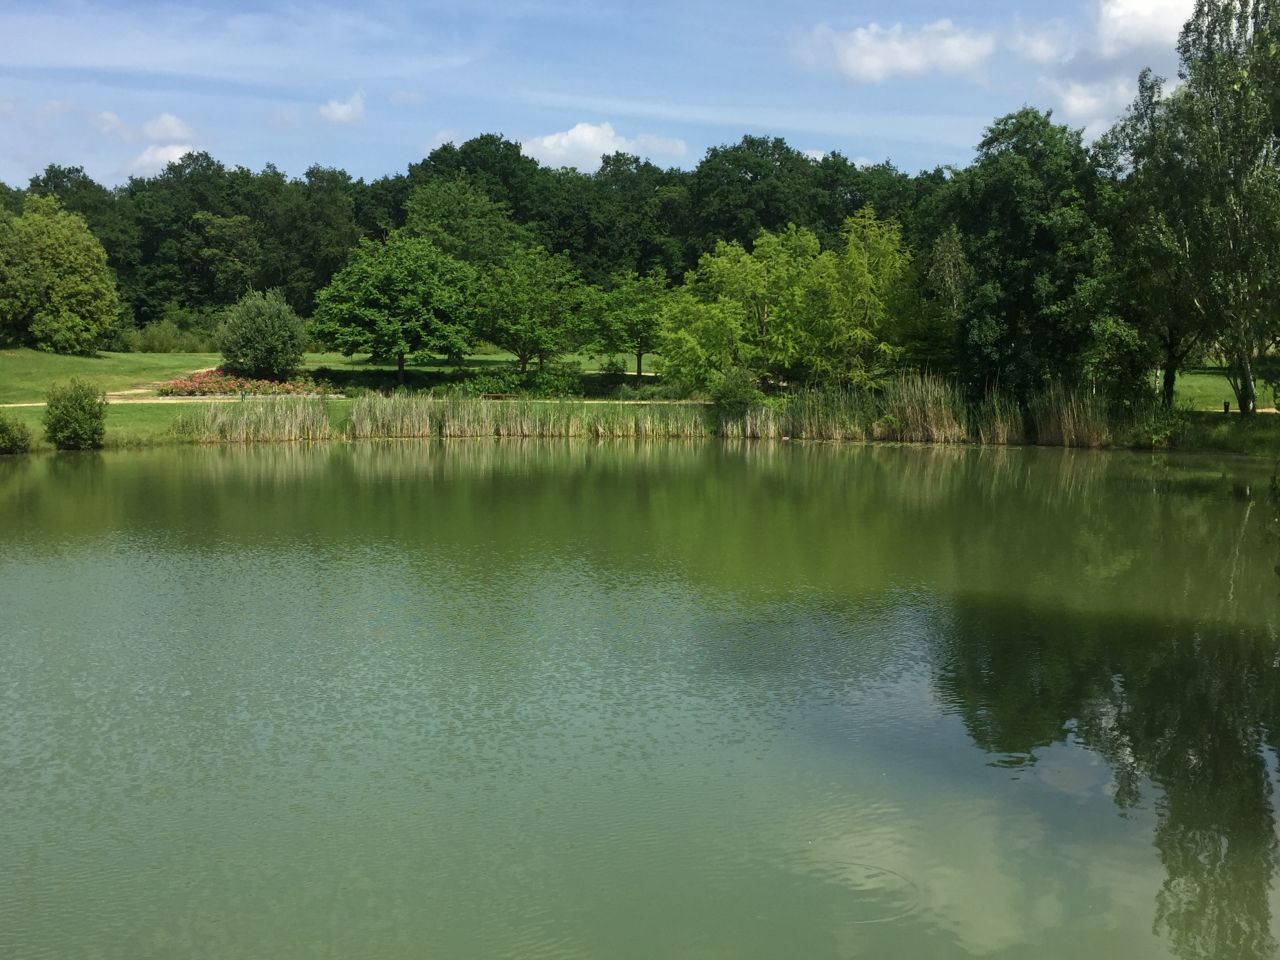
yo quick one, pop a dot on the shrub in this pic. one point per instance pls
(165, 336)
(75, 416)
(261, 336)
(557, 380)
(219, 383)
(736, 394)
(499, 380)
(14, 435)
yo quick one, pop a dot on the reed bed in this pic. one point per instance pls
(998, 421)
(922, 409)
(1070, 418)
(256, 421)
(410, 415)
(909, 408)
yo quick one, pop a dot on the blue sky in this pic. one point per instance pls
(120, 88)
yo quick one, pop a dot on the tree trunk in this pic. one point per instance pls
(1170, 378)
(639, 366)
(400, 367)
(523, 360)
(1245, 386)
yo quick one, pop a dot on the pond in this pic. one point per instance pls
(479, 700)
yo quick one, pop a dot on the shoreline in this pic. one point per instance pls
(150, 423)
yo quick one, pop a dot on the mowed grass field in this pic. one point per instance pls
(25, 375)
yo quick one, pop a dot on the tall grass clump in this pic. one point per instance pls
(998, 420)
(831, 414)
(256, 421)
(404, 415)
(1070, 418)
(921, 408)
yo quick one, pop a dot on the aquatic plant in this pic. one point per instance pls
(256, 421)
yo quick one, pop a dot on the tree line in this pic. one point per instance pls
(1046, 259)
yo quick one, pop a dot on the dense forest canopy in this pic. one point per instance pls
(1046, 259)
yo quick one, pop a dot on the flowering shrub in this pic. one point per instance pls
(220, 383)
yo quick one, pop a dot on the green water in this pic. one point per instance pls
(561, 701)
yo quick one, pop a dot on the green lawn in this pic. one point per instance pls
(1206, 388)
(25, 375)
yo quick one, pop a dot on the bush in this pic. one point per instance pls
(261, 336)
(14, 435)
(75, 416)
(165, 336)
(560, 379)
(736, 394)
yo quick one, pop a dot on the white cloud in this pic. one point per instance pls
(156, 157)
(873, 53)
(110, 125)
(345, 111)
(815, 155)
(584, 144)
(1093, 106)
(1047, 44)
(166, 127)
(1128, 24)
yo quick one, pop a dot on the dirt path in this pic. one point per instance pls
(137, 396)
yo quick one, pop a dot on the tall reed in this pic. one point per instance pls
(920, 408)
(455, 416)
(1066, 417)
(998, 420)
(255, 421)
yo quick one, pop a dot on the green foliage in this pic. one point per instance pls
(75, 416)
(1042, 270)
(788, 310)
(261, 336)
(56, 292)
(396, 299)
(538, 311)
(461, 220)
(165, 336)
(15, 437)
(631, 315)
(736, 394)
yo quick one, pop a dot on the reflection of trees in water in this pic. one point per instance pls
(1193, 708)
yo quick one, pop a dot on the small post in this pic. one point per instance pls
(1226, 406)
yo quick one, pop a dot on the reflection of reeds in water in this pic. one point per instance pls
(256, 421)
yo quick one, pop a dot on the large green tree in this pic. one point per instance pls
(801, 315)
(1151, 212)
(538, 314)
(631, 313)
(398, 299)
(1041, 258)
(1226, 121)
(463, 221)
(56, 292)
